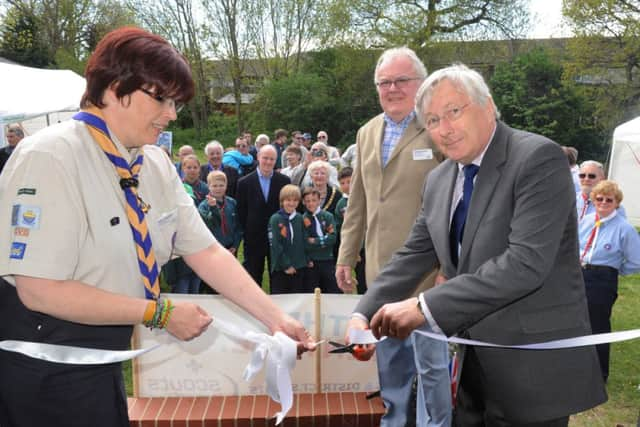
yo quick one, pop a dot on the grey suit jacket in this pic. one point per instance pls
(518, 280)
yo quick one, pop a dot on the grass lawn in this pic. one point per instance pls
(623, 407)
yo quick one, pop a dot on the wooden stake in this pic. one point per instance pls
(317, 298)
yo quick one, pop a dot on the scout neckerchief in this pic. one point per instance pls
(593, 237)
(316, 221)
(585, 205)
(223, 219)
(134, 206)
(287, 230)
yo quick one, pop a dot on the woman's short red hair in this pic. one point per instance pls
(129, 58)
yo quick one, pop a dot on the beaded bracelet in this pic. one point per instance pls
(161, 313)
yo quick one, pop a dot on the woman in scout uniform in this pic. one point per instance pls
(91, 210)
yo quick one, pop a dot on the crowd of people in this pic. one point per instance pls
(244, 194)
(454, 223)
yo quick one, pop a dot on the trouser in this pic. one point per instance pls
(38, 393)
(283, 283)
(602, 292)
(323, 276)
(396, 371)
(187, 284)
(360, 269)
(255, 253)
(470, 406)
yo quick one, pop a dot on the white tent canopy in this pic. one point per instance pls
(30, 92)
(624, 166)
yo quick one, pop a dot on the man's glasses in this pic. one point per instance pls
(601, 199)
(400, 83)
(587, 175)
(452, 114)
(168, 102)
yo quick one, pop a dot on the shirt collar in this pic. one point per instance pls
(478, 160)
(404, 122)
(261, 175)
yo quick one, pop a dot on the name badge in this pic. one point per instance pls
(422, 154)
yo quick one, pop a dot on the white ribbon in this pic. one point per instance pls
(279, 351)
(359, 336)
(70, 354)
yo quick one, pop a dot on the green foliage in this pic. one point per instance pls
(531, 95)
(21, 42)
(605, 55)
(220, 127)
(334, 92)
(297, 101)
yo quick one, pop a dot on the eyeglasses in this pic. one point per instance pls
(400, 83)
(587, 175)
(322, 137)
(317, 153)
(601, 199)
(168, 102)
(432, 121)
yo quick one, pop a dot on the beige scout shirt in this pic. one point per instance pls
(62, 212)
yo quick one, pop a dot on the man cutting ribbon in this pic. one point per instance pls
(92, 210)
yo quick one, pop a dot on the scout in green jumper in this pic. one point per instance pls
(288, 258)
(319, 241)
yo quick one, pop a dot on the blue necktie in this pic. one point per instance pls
(460, 214)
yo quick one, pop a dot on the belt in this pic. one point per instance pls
(599, 268)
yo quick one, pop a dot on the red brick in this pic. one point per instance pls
(182, 412)
(229, 411)
(260, 413)
(198, 410)
(212, 415)
(334, 403)
(165, 414)
(245, 409)
(137, 410)
(304, 410)
(320, 410)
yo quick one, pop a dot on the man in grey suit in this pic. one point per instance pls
(514, 275)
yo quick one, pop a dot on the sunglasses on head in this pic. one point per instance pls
(601, 199)
(587, 175)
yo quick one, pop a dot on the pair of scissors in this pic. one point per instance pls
(356, 350)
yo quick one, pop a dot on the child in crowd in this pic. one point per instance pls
(191, 176)
(220, 214)
(288, 258)
(344, 178)
(319, 241)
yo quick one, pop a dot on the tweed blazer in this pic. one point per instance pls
(384, 201)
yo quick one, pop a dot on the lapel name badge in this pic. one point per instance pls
(29, 191)
(422, 154)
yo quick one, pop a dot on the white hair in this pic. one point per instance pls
(464, 78)
(212, 144)
(396, 52)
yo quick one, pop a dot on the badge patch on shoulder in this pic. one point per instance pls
(25, 216)
(17, 250)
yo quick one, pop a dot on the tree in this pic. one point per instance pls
(299, 101)
(415, 22)
(531, 95)
(605, 54)
(20, 41)
(175, 20)
(60, 33)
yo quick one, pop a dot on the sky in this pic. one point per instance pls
(546, 19)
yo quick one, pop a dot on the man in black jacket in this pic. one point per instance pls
(258, 198)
